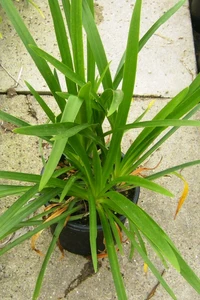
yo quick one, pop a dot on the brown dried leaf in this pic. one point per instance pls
(33, 242)
(139, 170)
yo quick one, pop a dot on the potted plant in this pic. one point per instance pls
(87, 177)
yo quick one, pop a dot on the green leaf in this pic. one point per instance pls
(14, 208)
(42, 103)
(96, 45)
(76, 191)
(153, 148)
(20, 176)
(64, 95)
(62, 40)
(143, 254)
(66, 7)
(173, 169)
(110, 101)
(144, 223)
(130, 65)
(70, 112)
(77, 37)
(134, 229)
(188, 103)
(40, 227)
(132, 246)
(25, 211)
(61, 171)
(115, 230)
(69, 73)
(99, 80)
(148, 135)
(154, 233)
(156, 250)
(66, 129)
(106, 99)
(137, 181)
(86, 111)
(146, 37)
(129, 76)
(96, 162)
(7, 190)
(93, 229)
(13, 120)
(50, 250)
(165, 17)
(187, 272)
(57, 79)
(157, 123)
(116, 101)
(62, 68)
(74, 131)
(112, 256)
(161, 123)
(90, 57)
(195, 84)
(79, 149)
(68, 185)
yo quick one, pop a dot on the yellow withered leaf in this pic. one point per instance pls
(151, 104)
(57, 213)
(37, 8)
(184, 193)
(145, 268)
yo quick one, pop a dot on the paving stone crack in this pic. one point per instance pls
(86, 272)
(46, 93)
(31, 110)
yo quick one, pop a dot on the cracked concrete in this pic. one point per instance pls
(166, 65)
(85, 273)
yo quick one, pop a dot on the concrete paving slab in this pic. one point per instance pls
(71, 278)
(166, 64)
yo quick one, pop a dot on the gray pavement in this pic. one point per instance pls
(167, 64)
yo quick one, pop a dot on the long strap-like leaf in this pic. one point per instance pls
(62, 40)
(77, 37)
(110, 247)
(96, 44)
(73, 105)
(50, 250)
(127, 86)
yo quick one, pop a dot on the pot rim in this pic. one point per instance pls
(77, 226)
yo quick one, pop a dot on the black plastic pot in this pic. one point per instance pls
(75, 236)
